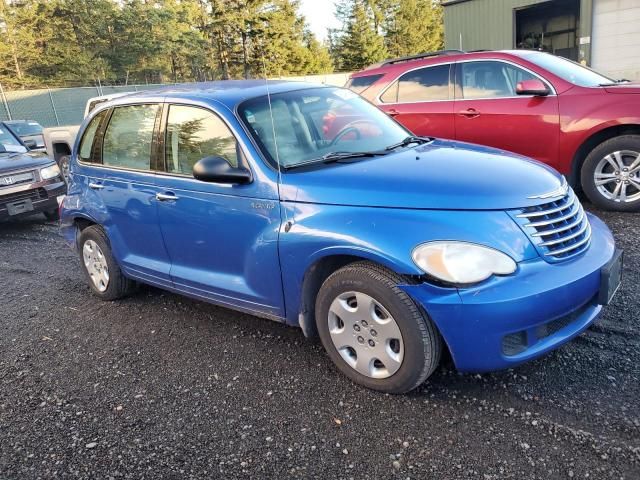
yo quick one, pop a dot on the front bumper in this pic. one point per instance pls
(42, 195)
(509, 320)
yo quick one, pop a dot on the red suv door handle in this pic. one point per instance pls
(393, 112)
(469, 113)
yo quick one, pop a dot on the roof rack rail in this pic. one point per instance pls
(421, 55)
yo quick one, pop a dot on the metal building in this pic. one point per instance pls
(604, 34)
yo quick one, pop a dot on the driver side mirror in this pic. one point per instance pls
(532, 87)
(30, 144)
(217, 170)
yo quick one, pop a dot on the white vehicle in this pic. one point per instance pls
(59, 141)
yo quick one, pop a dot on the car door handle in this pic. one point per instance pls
(96, 186)
(469, 113)
(393, 113)
(166, 197)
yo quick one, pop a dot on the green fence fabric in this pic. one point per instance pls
(56, 106)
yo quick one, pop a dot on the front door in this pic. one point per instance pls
(489, 112)
(422, 101)
(222, 239)
(117, 163)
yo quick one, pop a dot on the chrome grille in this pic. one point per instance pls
(559, 229)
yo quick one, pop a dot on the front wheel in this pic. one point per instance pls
(373, 331)
(611, 174)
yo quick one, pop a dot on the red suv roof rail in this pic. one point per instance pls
(421, 56)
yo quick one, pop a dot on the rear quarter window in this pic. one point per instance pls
(87, 152)
(360, 84)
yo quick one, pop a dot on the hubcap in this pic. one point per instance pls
(617, 176)
(366, 335)
(96, 265)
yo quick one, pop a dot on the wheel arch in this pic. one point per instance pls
(592, 142)
(60, 149)
(320, 268)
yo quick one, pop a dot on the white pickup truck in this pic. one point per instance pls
(59, 141)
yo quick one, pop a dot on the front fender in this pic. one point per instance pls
(383, 235)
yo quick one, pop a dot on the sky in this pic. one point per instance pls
(320, 15)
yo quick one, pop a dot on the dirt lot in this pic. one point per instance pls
(160, 386)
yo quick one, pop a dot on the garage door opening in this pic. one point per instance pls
(550, 26)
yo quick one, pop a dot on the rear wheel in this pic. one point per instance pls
(373, 331)
(100, 268)
(611, 174)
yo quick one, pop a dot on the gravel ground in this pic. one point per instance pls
(160, 386)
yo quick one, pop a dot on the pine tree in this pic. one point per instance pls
(360, 44)
(414, 26)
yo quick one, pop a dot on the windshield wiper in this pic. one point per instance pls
(333, 157)
(614, 83)
(408, 141)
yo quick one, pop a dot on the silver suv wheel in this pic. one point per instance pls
(365, 334)
(617, 176)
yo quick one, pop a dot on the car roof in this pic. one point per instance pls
(227, 92)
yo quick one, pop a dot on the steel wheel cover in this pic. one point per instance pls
(96, 265)
(365, 335)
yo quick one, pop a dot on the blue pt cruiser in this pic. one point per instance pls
(307, 205)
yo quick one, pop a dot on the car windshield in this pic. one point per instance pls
(26, 128)
(566, 69)
(302, 126)
(9, 143)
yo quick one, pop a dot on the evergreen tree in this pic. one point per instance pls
(414, 26)
(360, 44)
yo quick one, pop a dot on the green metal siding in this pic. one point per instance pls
(483, 24)
(490, 24)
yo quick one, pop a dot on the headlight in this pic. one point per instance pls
(461, 262)
(49, 172)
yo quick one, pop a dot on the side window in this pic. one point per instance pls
(360, 84)
(390, 95)
(425, 84)
(87, 153)
(194, 133)
(490, 79)
(129, 135)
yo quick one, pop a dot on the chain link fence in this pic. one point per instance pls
(52, 107)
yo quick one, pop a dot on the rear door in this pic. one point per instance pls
(116, 153)
(222, 239)
(489, 112)
(422, 100)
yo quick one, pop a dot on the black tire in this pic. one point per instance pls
(623, 142)
(63, 164)
(52, 215)
(422, 341)
(118, 286)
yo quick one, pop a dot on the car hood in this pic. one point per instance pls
(440, 175)
(631, 87)
(22, 161)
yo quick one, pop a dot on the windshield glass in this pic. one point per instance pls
(312, 123)
(566, 69)
(9, 142)
(26, 128)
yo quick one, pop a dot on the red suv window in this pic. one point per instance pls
(420, 85)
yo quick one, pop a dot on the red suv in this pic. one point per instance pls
(582, 123)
